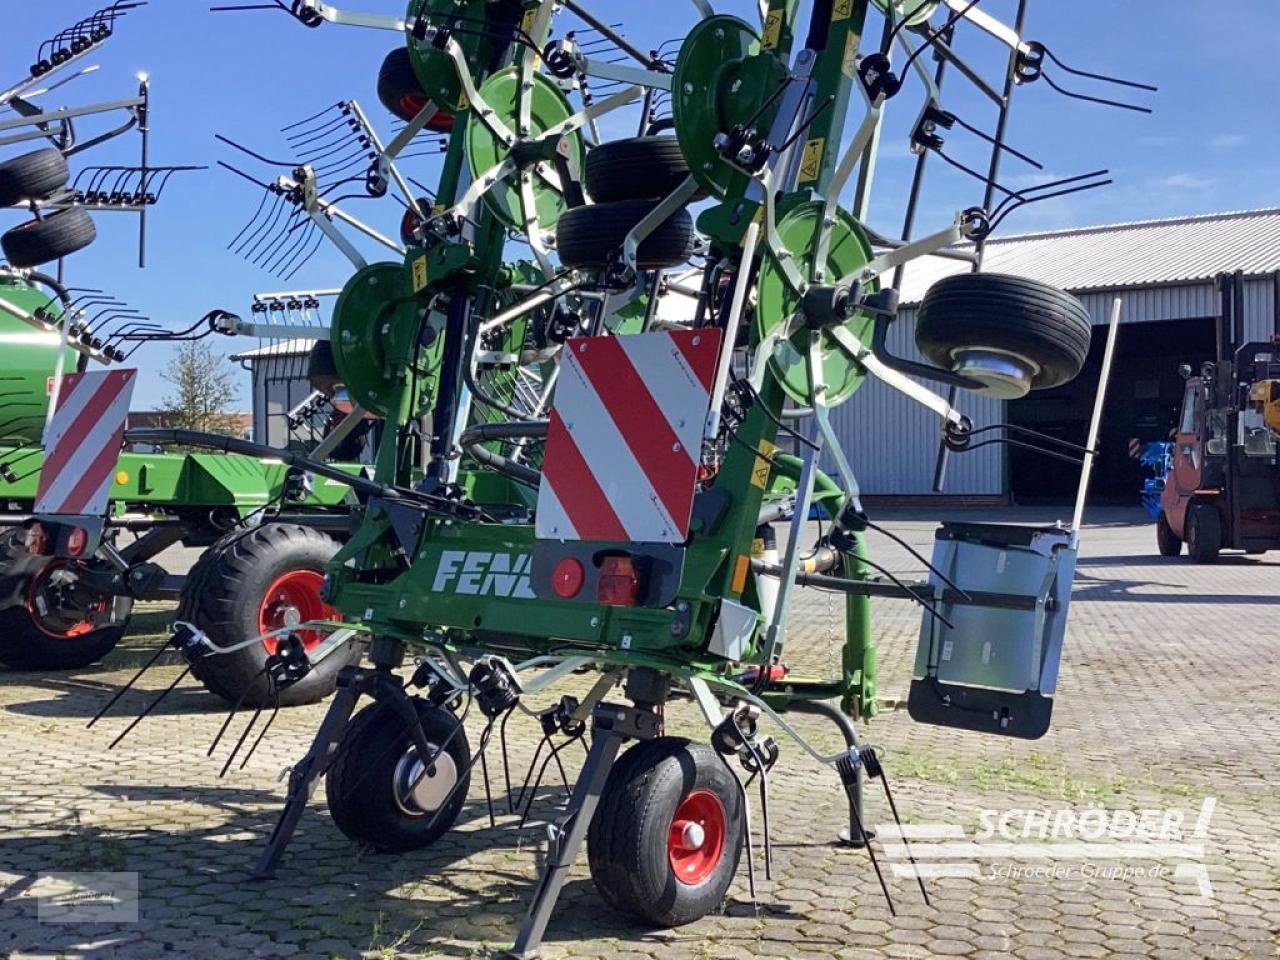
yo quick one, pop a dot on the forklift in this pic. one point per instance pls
(1223, 491)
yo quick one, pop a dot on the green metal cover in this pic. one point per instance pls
(29, 360)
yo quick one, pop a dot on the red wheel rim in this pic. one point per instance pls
(74, 629)
(294, 598)
(695, 842)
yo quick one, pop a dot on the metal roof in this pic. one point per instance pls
(280, 348)
(1174, 251)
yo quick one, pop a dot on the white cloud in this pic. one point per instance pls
(1227, 141)
(1185, 181)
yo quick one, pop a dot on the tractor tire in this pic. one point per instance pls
(256, 580)
(36, 634)
(400, 91)
(665, 841)
(1012, 315)
(32, 176)
(1169, 543)
(640, 168)
(589, 236)
(56, 236)
(1204, 533)
(368, 783)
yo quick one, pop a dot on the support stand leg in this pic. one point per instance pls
(856, 835)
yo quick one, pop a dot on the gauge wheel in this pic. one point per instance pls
(56, 236)
(666, 838)
(32, 176)
(377, 790)
(52, 621)
(638, 168)
(248, 584)
(1170, 543)
(588, 236)
(400, 91)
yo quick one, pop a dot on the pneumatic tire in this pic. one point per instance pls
(1204, 533)
(665, 841)
(588, 237)
(639, 168)
(370, 786)
(32, 176)
(1032, 320)
(400, 91)
(58, 235)
(1168, 542)
(253, 580)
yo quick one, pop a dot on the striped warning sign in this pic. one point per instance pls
(82, 442)
(623, 446)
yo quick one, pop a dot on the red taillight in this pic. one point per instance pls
(77, 540)
(567, 578)
(37, 542)
(618, 584)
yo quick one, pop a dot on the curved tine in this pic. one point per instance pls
(292, 239)
(1050, 196)
(257, 156)
(268, 229)
(164, 182)
(340, 105)
(1099, 76)
(249, 247)
(287, 269)
(329, 188)
(121, 179)
(100, 174)
(318, 239)
(359, 144)
(261, 203)
(1088, 99)
(320, 129)
(240, 249)
(281, 238)
(312, 150)
(357, 157)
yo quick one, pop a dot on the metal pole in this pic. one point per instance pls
(1095, 423)
(144, 128)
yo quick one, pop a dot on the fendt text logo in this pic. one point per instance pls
(479, 573)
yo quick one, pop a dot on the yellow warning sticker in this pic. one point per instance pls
(760, 471)
(772, 30)
(463, 102)
(419, 273)
(811, 159)
(842, 10)
(740, 569)
(849, 63)
(530, 16)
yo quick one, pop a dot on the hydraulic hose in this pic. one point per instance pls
(473, 439)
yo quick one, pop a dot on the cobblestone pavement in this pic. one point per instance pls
(1167, 697)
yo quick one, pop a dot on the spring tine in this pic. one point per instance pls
(231, 714)
(1089, 99)
(240, 742)
(281, 239)
(906, 842)
(269, 229)
(151, 706)
(506, 764)
(875, 863)
(488, 788)
(305, 253)
(257, 156)
(275, 710)
(261, 203)
(336, 106)
(268, 219)
(128, 686)
(532, 764)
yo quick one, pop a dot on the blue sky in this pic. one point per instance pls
(1211, 145)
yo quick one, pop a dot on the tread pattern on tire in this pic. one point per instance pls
(42, 241)
(208, 600)
(1041, 322)
(638, 168)
(32, 176)
(588, 236)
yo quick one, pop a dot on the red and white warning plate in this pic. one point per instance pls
(625, 438)
(82, 442)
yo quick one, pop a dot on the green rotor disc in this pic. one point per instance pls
(717, 82)
(547, 107)
(915, 12)
(435, 69)
(848, 250)
(372, 331)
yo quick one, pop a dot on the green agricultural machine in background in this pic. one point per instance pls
(579, 474)
(66, 597)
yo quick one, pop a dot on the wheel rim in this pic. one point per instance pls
(417, 794)
(294, 598)
(695, 842)
(51, 623)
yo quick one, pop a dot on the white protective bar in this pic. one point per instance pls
(1095, 424)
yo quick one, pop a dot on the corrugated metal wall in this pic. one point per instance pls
(892, 441)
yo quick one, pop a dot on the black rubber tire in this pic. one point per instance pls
(322, 371)
(23, 644)
(640, 168)
(223, 596)
(1034, 320)
(41, 241)
(1169, 543)
(361, 782)
(588, 236)
(627, 842)
(1204, 533)
(400, 91)
(32, 176)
